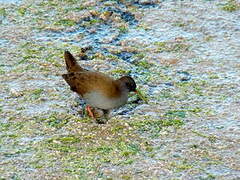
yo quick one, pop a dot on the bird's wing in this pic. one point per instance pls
(86, 82)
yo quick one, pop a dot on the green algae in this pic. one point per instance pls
(211, 138)
(231, 6)
(65, 22)
(2, 71)
(123, 29)
(182, 166)
(37, 93)
(176, 113)
(172, 46)
(120, 71)
(154, 126)
(144, 64)
(59, 143)
(3, 12)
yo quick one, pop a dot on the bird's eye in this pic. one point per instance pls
(128, 85)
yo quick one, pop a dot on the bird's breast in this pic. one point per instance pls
(99, 100)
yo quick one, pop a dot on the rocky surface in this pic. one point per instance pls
(185, 57)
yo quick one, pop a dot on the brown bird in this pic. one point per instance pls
(97, 89)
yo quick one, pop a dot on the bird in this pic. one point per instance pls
(97, 89)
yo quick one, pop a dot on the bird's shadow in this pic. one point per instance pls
(78, 109)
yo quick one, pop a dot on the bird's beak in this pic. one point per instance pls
(140, 95)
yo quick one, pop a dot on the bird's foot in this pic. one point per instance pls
(99, 115)
(90, 113)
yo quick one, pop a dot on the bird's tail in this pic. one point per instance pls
(71, 63)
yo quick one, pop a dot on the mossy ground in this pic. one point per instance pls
(184, 61)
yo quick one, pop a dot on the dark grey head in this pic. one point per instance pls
(128, 83)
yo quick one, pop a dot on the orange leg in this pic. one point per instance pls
(88, 109)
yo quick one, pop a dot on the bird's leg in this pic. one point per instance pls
(90, 113)
(104, 118)
(106, 114)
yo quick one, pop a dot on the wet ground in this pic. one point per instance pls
(185, 57)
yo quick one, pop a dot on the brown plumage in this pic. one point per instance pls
(84, 82)
(71, 63)
(96, 88)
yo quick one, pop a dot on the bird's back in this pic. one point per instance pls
(71, 63)
(96, 89)
(86, 82)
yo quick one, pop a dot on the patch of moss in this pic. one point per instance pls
(12, 126)
(55, 146)
(179, 24)
(52, 4)
(126, 177)
(172, 122)
(140, 55)
(154, 126)
(102, 149)
(3, 12)
(162, 46)
(193, 87)
(113, 57)
(123, 29)
(94, 21)
(144, 64)
(70, 139)
(2, 71)
(231, 5)
(179, 47)
(22, 11)
(4, 126)
(208, 38)
(17, 151)
(211, 138)
(128, 149)
(208, 177)
(79, 8)
(56, 120)
(171, 46)
(36, 164)
(166, 94)
(70, 1)
(195, 110)
(127, 161)
(181, 166)
(20, 108)
(214, 76)
(121, 71)
(99, 56)
(65, 22)
(37, 93)
(117, 128)
(143, 26)
(176, 113)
